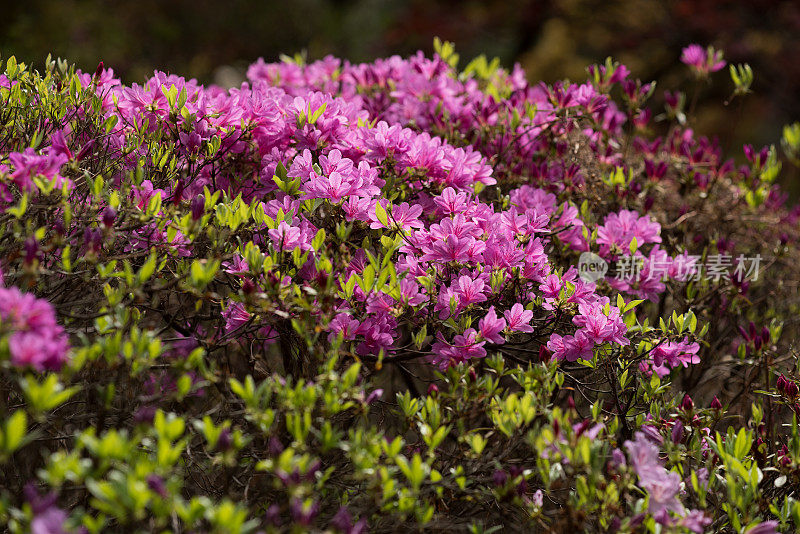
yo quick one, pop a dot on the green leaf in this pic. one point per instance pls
(154, 205)
(15, 429)
(318, 240)
(110, 122)
(381, 215)
(147, 269)
(11, 67)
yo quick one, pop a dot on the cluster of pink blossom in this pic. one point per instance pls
(342, 129)
(663, 487)
(35, 339)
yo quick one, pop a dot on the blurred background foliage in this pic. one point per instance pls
(215, 41)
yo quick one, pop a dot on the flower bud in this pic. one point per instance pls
(225, 440)
(273, 515)
(198, 207)
(58, 227)
(743, 332)
(433, 389)
(677, 432)
(687, 405)
(791, 389)
(373, 396)
(618, 459)
(716, 404)
(31, 248)
(248, 287)
(275, 446)
(783, 456)
(177, 193)
(781, 384)
(108, 217)
(544, 354)
(156, 484)
(342, 520)
(85, 150)
(99, 70)
(637, 520)
(499, 478)
(145, 415)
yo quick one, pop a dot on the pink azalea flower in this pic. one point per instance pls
(491, 326)
(285, 237)
(702, 61)
(464, 348)
(235, 317)
(401, 216)
(519, 318)
(470, 291)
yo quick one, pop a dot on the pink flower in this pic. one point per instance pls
(619, 229)
(662, 486)
(491, 326)
(28, 164)
(31, 349)
(599, 327)
(464, 348)
(674, 354)
(450, 202)
(237, 265)
(767, 527)
(235, 317)
(344, 323)
(470, 291)
(334, 187)
(702, 61)
(401, 216)
(519, 318)
(285, 237)
(452, 249)
(571, 348)
(551, 287)
(36, 339)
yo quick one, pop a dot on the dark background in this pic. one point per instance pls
(214, 41)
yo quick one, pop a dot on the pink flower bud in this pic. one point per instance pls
(248, 287)
(177, 193)
(198, 207)
(781, 384)
(85, 150)
(225, 440)
(108, 217)
(677, 432)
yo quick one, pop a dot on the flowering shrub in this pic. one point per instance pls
(378, 297)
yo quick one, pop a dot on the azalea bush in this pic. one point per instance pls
(392, 296)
